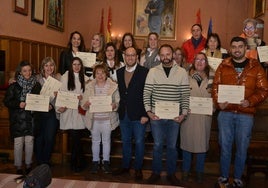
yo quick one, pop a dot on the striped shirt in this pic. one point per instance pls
(174, 88)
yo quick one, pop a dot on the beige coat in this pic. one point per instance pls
(113, 91)
(195, 130)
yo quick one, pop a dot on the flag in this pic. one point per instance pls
(109, 25)
(102, 23)
(209, 27)
(198, 17)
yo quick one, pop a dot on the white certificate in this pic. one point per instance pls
(89, 59)
(37, 103)
(167, 109)
(50, 86)
(214, 62)
(231, 93)
(201, 105)
(263, 53)
(66, 99)
(100, 104)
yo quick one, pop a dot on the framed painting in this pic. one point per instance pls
(38, 11)
(55, 14)
(21, 6)
(258, 8)
(154, 16)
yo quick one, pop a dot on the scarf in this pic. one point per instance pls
(196, 42)
(27, 85)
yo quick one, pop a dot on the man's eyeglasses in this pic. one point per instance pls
(130, 55)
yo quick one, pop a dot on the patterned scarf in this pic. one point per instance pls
(27, 85)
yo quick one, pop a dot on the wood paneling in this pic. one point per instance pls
(18, 49)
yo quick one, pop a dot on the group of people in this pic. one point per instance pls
(137, 81)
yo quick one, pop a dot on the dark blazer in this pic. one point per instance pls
(65, 61)
(131, 98)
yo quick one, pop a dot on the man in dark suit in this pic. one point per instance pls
(132, 114)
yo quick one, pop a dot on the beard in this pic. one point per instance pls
(166, 61)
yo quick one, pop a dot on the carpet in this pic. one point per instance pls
(7, 181)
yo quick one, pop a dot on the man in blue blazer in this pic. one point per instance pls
(133, 117)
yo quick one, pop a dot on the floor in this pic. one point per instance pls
(257, 180)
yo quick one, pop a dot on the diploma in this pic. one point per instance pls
(100, 104)
(167, 109)
(214, 62)
(37, 103)
(88, 59)
(201, 105)
(263, 53)
(66, 99)
(231, 93)
(50, 86)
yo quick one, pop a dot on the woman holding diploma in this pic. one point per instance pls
(21, 127)
(46, 123)
(101, 123)
(73, 81)
(195, 130)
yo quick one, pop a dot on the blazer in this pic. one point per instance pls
(131, 98)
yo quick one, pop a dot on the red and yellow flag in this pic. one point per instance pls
(109, 25)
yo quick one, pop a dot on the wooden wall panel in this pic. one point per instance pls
(25, 51)
(15, 54)
(34, 56)
(18, 49)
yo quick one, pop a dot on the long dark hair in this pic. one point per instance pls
(116, 60)
(216, 36)
(71, 83)
(81, 47)
(122, 46)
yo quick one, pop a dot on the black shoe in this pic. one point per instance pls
(28, 170)
(173, 180)
(138, 175)
(95, 167)
(121, 171)
(106, 167)
(153, 178)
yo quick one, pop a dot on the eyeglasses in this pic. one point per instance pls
(249, 28)
(200, 60)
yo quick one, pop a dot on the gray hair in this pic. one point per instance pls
(250, 20)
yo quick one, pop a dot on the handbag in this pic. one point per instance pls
(81, 110)
(40, 177)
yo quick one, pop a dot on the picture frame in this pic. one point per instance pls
(55, 14)
(21, 6)
(141, 20)
(38, 7)
(258, 8)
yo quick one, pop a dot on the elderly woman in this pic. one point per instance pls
(101, 124)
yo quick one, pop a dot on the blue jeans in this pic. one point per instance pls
(46, 126)
(164, 130)
(130, 129)
(236, 128)
(187, 159)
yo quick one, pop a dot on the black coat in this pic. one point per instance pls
(66, 58)
(20, 119)
(131, 98)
